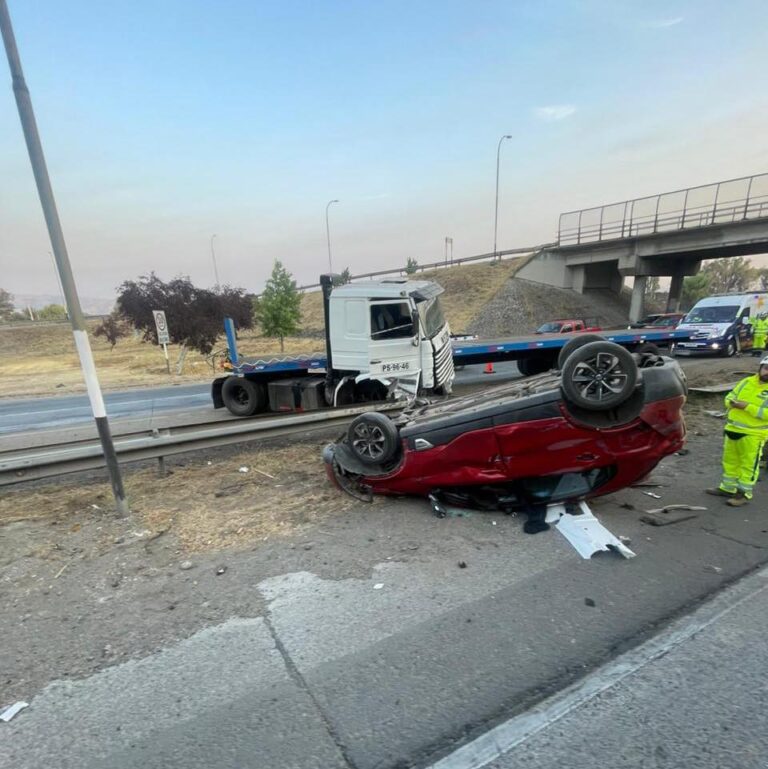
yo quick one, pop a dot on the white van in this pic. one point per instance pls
(720, 324)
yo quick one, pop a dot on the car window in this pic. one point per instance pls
(391, 321)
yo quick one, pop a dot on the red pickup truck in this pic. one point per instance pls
(567, 326)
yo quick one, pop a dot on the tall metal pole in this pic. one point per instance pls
(496, 210)
(48, 203)
(58, 280)
(328, 235)
(215, 268)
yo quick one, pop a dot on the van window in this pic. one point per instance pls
(718, 314)
(391, 321)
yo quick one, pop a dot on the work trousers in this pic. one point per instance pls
(741, 463)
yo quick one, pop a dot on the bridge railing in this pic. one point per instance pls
(734, 200)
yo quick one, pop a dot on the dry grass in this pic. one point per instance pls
(206, 507)
(467, 289)
(41, 360)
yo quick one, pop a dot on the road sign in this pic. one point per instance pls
(162, 327)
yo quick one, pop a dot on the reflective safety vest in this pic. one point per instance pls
(753, 420)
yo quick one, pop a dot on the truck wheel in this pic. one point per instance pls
(599, 376)
(373, 438)
(244, 397)
(574, 344)
(533, 366)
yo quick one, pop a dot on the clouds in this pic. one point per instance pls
(554, 112)
(666, 23)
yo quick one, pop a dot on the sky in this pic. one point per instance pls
(166, 123)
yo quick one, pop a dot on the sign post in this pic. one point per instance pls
(163, 337)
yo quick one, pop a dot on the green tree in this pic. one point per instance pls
(733, 275)
(345, 277)
(651, 294)
(695, 287)
(52, 312)
(6, 305)
(411, 266)
(279, 305)
(112, 328)
(762, 279)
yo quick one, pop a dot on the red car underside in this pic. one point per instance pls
(538, 448)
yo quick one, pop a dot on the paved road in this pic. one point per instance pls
(347, 664)
(703, 704)
(39, 413)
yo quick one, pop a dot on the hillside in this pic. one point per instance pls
(521, 306)
(467, 287)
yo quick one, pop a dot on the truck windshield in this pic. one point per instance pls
(720, 314)
(431, 316)
(549, 328)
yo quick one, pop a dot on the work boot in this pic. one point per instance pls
(738, 500)
(720, 493)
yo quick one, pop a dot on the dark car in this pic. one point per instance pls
(660, 320)
(601, 423)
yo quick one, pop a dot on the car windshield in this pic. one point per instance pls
(549, 328)
(432, 316)
(720, 314)
(669, 320)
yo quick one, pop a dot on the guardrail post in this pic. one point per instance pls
(161, 467)
(656, 215)
(578, 232)
(746, 202)
(685, 209)
(600, 229)
(714, 208)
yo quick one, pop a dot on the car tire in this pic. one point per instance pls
(244, 397)
(729, 350)
(574, 344)
(599, 376)
(373, 438)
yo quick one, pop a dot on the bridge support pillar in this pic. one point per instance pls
(638, 295)
(675, 292)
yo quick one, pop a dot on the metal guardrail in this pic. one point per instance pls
(46, 460)
(734, 200)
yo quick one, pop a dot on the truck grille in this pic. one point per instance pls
(443, 365)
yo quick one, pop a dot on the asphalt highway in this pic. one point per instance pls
(17, 415)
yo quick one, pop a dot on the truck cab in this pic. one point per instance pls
(390, 330)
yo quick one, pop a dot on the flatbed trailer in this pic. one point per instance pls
(537, 352)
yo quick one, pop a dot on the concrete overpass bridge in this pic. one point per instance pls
(661, 235)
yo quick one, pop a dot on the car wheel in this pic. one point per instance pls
(244, 397)
(599, 376)
(373, 438)
(574, 344)
(730, 349)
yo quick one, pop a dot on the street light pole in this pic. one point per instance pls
(58, 280)
(496, 210)
(328, 235)
(215, 268)
(48, 203)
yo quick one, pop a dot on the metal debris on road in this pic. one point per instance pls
(221, 570)
(651, 494)
(11, 711)
(715, 414)
(670, 508)
(663, 516)
(587, 535)
(378, 586)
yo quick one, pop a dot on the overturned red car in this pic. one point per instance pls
(599, 424)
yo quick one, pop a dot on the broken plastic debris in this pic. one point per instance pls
(669, 508)
(715, 414)
(588, 536)
(11, 711)
(651, 494)
(378, 586)
(243, 469)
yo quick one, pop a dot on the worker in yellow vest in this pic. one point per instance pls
(746, 431)
(759, 331)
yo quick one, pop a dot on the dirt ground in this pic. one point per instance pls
(81, 589)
